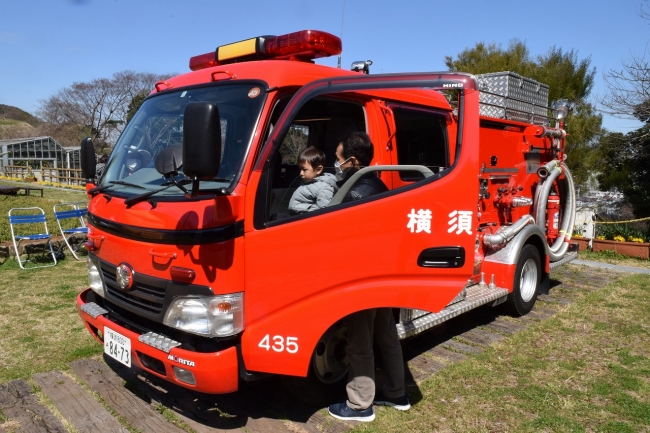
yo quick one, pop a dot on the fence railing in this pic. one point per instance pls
(67, 176)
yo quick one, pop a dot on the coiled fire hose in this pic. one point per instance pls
(548, 173)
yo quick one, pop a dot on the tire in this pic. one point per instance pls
(526, 283)
(328, 371)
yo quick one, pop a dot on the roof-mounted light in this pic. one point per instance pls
(305, 45)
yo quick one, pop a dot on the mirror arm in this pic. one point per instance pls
(195, 188)
(181, 187)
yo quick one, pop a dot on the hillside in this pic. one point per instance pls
(10, 128)
(7, 112)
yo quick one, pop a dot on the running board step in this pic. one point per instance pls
(477, 295)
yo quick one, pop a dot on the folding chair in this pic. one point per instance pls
(32, 218)
(70, 218)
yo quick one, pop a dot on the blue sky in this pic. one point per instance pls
(46, 45)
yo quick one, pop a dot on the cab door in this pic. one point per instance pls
(411, 247)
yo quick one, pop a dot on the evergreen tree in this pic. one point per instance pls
(567, 77)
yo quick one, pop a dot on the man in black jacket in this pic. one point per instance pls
(354, 152)
(377, 324)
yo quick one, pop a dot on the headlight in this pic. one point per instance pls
(94, 279)
(212, 316)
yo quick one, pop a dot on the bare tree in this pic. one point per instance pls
(66, 134)
(628, 94)
(629, 89)
(100, 106)
(294, 143)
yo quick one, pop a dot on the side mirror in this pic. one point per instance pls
(201, 140)
(88, 160)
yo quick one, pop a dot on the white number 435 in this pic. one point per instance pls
(279, 344)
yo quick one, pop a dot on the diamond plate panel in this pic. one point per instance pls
(507, 95)
(93, 310)
(476, 296)
(158, 341)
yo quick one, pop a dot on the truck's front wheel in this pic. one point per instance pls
(328, 370)
(526, 284)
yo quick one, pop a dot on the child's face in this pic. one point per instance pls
(308, 173)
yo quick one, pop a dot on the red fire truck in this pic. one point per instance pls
(200, 275)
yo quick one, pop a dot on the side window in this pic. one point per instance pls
(421, 137)
(294, 143)
(321, 123)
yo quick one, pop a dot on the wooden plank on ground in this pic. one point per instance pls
(480, 337)
(539, 314)
(102, 380)
(575, 286)
(506, 326)
(25, 413)
(325, 423)
(554, 299)
(417, 374)
(77, 405)
(447, 355)
(204, 413)
(461, 347)
(427, 364)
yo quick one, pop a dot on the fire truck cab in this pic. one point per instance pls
(200, 274)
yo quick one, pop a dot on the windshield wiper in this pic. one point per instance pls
(111, 183)
(188, 181)
(138, 198)
(217, 179)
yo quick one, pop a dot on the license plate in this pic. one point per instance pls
(117, 346)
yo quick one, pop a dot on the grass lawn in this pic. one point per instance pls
(586, 369)
(39, 325)
(51, 196)
(40, 329)
(615, 259)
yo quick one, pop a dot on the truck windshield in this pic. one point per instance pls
(158, 124)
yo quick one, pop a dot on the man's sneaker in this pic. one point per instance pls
(346, 413)
(399, 403)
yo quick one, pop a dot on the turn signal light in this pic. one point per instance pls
(183, 275)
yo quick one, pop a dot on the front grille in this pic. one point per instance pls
(146, 296)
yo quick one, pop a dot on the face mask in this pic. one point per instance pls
(338, 172)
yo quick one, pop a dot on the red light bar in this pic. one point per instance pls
(203, 61)
(305, 45)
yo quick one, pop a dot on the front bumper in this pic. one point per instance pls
(214, 373)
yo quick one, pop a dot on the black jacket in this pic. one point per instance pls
(369, 184)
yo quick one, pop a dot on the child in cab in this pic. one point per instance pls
(318, 187)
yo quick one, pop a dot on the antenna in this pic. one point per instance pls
(342, 18)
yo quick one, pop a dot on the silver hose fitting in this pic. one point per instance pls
(505, 233)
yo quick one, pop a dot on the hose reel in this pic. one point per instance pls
(549, 174)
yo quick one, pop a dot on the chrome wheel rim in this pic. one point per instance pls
(528, 280)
